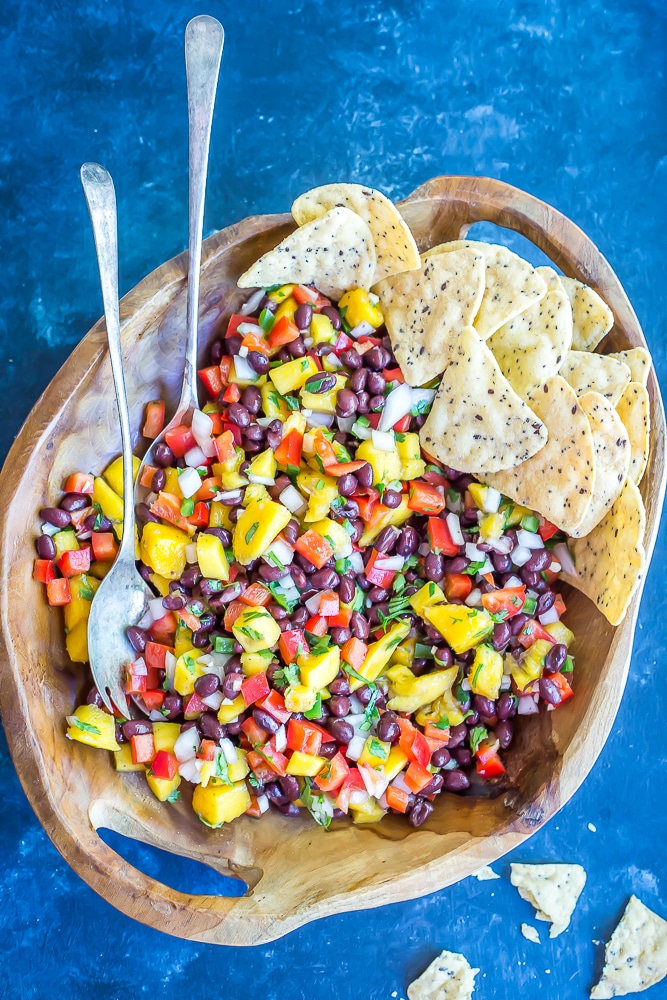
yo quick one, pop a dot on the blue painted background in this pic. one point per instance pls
(565, 98)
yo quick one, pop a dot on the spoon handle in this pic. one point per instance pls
(204, 39)
(101, 198)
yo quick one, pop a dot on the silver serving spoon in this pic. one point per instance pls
(204, 39)
(122, 597)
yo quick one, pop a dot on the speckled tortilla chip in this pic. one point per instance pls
(552, 278)
(636, 955)
(612, 458)
(426, 310)
(610, 561)
(395, 246)
(334, 253)
(557, 481)
(635, 413)
(477, 422)
(638, 361)
(511, 284)
(552, 889)
(532, 346)
(595, 373)
(591, 316)
(448, 977)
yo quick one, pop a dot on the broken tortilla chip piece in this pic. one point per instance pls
(511, 284)
(610, 560)
(448, 977)
(395, 246)
(638, 361)
(477, 421)
(635, 957)
(552, 889)
(635, 414)
(557, 481)
(612, 459)
(334, 253)
(426, 310)
(532, 346)
(588, 372)
(592, 318)
(552, 278)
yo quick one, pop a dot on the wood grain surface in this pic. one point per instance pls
(75, 790)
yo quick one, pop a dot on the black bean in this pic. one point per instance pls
(266, 303)
(328, 750)
(375, 384)
(233, 345)
(457, 736)
(377, 358)
(289, 809)
(200, 641)
(340, 635)
(420, 811)
(251, 397)
(504, 732)
(190, 576)
(136, 727)
(440, 757)
(221, 533)
(378, 609)
(434, 785)
(320, 382)
(325, 579)
(484, 705)
(549, 691)
(544, 602)
(455, 781)
(238, 414)
(265, 720)
(333, 315)
(350, 358)
(163, 456)
(346, 403)
(340, 684)
(349, 510)
(94, 698)
(518, 622)
(502, 633)
(303, 316)
(137, 637)
(505, 706)
(392, 499)
(230, 593)
(347, 484)
(377, 594)
(145, 572)
(174, 602)
(76, 501)
(388, 728)
(172, 706)
(555, 658)
(357, 529)
(408, 542)
(211, 728)
(358, 381)
(540, 560)
(387, 539)
(270, 573)
(376, 403)
(463, 756)
(346, 590)
(340, 705)
(289, 786)
(502, 563)
(433, 567)
(207, 685)
(55, 516)
(46, 547)
(159, 480)
(342, 731)
(217, 351)
(443, 657)
(363, 402)
(359, 625)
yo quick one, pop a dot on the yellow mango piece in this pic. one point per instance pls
(386, 465)
(256, 528)
(160, 584)
(359, 308)
(299, 698)
(379, 654)
(404, 653)
(491, 525)
(165, 735)
(304, 764)
(187, 671)
(172, 484)
(92, 726)
(413, 469)
(109, 501)
(408, 447)
(254, 663)
(218, 515)
(478, 493)
(322, 402)
(218, 803)
(486, 672)
(273, 404)
(513, 513)
(211, 557)
(321, 329)
(163, 549)
(533, 660)
(114, 473)
(183, 640)
(460, 626)
(287, 308)
(412, 694)
(520, 676)
(444, 707)
(82, 588)
(255, 493)
(368, 812)
(123, 759)
(65, 541)
(426, 597)
(228, 471)
(162, 788)
(317, 672)
(292, 375)
(280, 294)
(238, 770)
(256, 629)
(335, 534)
(76, 642)
(263, 465)
(558, 630)
(394, 763)
(230, 713)
(99, 570)
(398, 516)
(375, 752)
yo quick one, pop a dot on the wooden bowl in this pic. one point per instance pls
(295, 872)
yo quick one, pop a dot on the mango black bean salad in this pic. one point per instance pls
(341, 624)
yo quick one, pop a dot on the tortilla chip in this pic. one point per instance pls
(394, 243)
(610, 561)
(531, 347)
(511, 284)
(448, 977)
(636, 956)
(552, 278)
(635, 413)
(612, 459)
(531, 933)
(638, 361)
(591, 316)
(595, 373)
(477, 421)
(334, 253)
(552, 889)
(426, 310)
(558, 480)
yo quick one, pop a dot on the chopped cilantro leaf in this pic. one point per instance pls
(251, 532)
(478, 734)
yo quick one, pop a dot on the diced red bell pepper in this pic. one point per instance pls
(531, 632)
(253, 342)
(304, 737)
(353, 783)
(303, 294)
(403, 425)
(440, 537)
(260, 768)
(288, 452)
(546, 529)
(333, 774)
(256, 735)
(104, 546)
(163, 629)
(393, 375)
(317, 625)
(153, 699)
(235, 321)
(43, 571)
(216, 421)
(199, 516)
(276, 760)
(79, 482)
(563, 685)
(135, 683)
(208, 490)
(419, 749)
(224, 446)
(255, 687)
(343, 468)
(397, 799)
(343, 342)
(168, 508)
(180, 439)
(374, 420)
(155, 655)
(165, 765)
(206, 750)
(284, 331)
(212, 379)
(368, 506)
(425, 499)
(58, 592)
(329, 604)
(193, 706)
(234, 609)
(188, 619)
(154, 421)
(457, 585)
(143, 748)
(373, 341)
(75, 561)
(291, 644)
(226, 363)
(313, 547)
(274, 704)
(324, 449)
(417, 777)
(146, 478)
(232, 393)
(491, 769)
(253, 809)
(509, 599)
(342, 619)
(436, 479)
(434, 735)
(378, 577)
(256, 595)
(354, 652)
(559, 605)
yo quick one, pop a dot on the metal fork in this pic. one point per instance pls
(122, 598)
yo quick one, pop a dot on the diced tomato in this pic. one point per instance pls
(180, 439)
(284, 331)
(255, 687)
(563, 685)
(354, 652)
(232, 393)
(317, 625)
(188, 619)
(403, 425)
(333, 774)
(432, 733)
(168, 507)
(58, 592)
(260, 768)
(531, 632)
(104, 546)
(329, 603)
(79, 482)
(510, 599)
(288, 452)
(224, 446)
(153, 699)
(342, 619)
(342, 468)
(143, 748)
(155, 655)
(417, 777)
(43, 571)
(256, 595)
(256, 735)
(559, 605)
(343, 342)
(397, 799)
(457, 585)
(374, 420)
(440, 537)
(74, 561)
(313, 547)
(235, 321)
(193, 706)
(393, 375)
(163, 629)
(206, 750)
(154, 421)
(291, 644)
(253, 809)
(212, 379)
(199, 516)
(208, 490)
(274, 704)
(434, 744)
(303, 294)
(352, 783)
(407, 734)
(152, 679)
(304, 737)
(425, 499)
(378, 577)
(165, 765)
(276, 760)
(234, 609)
(546, 529)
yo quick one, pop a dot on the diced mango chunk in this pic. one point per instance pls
(486, 672)
(212, 558)
(462, 627)
(379, 654)
(256, 528)
(293, 374)
(219, 803)
(411, 693)
(163, 549)
(256, 629)
(426, 597)
(92, 726)
(305, 764)
(114, 473)
(318, 671)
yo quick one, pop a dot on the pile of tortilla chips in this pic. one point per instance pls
(522, 400)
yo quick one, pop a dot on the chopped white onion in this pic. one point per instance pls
(502, 545)
(395, 563)
(363, 433)
(264, 421)
(521, 555)
(505, 682)
(262, 480)
(397, 404)
(355, 707)
(356, 562)
(474, 598)
(308, 341)
(400, 782)
(148, 618)
(529, 539)
(383, 440)
(465, 684)
(564, 557)
(355, 747)
(194, 457)
(555, 567)
(374, 298)
(382, 802)
(229, 750)
(424, 548)
(243, 370)
(280, 739)
(454, 525)
(157, 608)
(283, 552)
(486, 568)
(191, 552)
(139, 668)
(213, 701)
(233, 495)
(313, 603)
(345, 423)
(50, 529)
(202, 429)
(527, 705)
(375, 782)
(456, 503)
(473, 553)
(550, 616)
(514, 581)
(250, 327)
(262, 803)
(189, 770)
(319, 419)
(169, 669)
(293, 500)
(187, 744)
(363, 329)
(243, 351)
(155, 716)
(250, 306)
(491, 501)
(189, 482)
(420, 396)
